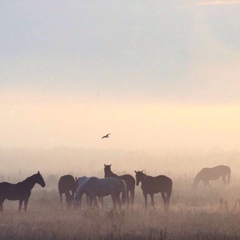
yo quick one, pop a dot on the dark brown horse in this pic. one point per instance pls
(153, 185)
(67, 185)
(129, 180)
(20, 191)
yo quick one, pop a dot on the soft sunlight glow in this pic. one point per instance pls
(56, 121)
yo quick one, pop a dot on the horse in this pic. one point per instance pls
(95, 187)
(129, 180)
(20, 191)
(67, 185)
(210, 174)
(80, 181)
(152, 185)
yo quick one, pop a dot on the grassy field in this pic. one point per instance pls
(192, 215)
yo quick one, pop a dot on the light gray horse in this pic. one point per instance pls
(95, 187)
(79, 182)
(210, 174)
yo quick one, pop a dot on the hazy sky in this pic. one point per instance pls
(155, 74)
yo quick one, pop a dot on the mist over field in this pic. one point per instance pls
(20, 162)
(204, 213)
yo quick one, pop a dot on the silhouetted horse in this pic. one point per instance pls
(152, 185)
(20, 191)
(129, 180)
(67, 185)
(95, 187)
(210, 174)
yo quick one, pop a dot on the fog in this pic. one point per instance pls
(52, 121)
(60, 135)
(17, 163)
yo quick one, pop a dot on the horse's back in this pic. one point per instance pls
(66, 183)
(215, 172)
(109, 182)
(157, 184)
(128, 179)
(81, 180)
(103, 186)
(223, 168)
(11, 191)
(4, 186)
(127, 176)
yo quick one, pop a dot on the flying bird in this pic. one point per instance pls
(106, 136)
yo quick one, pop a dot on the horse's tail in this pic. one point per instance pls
(229, 177)
(132, 192)
(60, 194)
(124, 192)
(169, 190)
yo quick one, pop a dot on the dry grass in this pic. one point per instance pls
(192, 215)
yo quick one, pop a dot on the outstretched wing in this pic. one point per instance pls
(106, 136)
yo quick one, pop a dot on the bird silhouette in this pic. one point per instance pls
(106, 136)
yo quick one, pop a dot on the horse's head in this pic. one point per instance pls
(39, 179)
(76, 203)
(196, 181)
(139, 176)
(107, 170)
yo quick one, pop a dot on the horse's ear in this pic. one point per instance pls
(135, 171)
(38, 172)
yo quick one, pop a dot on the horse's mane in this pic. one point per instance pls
(28, 178)
(80, 189)
(110, 172)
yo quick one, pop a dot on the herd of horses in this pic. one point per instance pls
(113, 185)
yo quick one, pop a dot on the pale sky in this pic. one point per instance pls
(156, 74)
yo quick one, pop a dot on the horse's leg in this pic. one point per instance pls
(69, 199)
(100, 199)
(60, 194)
(132, 197)
(90, 201)
(1, 204)
(114, 200)
(168, 201)
(25, 204)
(119, 202)
(95, 201)
(152, 200)
(20, 205)
(128, 198)
(224, 179)
(164, 200)
(145, 197)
